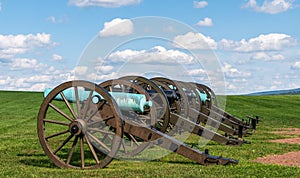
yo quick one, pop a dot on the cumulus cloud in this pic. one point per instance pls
(232, 72)
(296, 65)
(117, 27)
(57, 57)
(25, 63)
(103, 3)
(155, 54)
(104, 69)
(10, 45)
(100, 78)
(81, 70)
(193, 40)
(270, 7)
(267, 57)
(205, 22)
(5, 80)
(197, 72)
(200, 4)
(51, 19)
(37, 82)
(54, 19)
(272, 41)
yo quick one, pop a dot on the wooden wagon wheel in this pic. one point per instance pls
(158, 99)
(182, 102)
(211, 96)
(132, 145)
(69, 129)
(194, 99)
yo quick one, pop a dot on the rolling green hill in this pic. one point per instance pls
(22, 156)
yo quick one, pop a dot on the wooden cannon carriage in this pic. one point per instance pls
(85, 125)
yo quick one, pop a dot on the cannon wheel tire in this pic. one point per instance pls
(68, 130)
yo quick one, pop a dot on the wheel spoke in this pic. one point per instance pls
(77, 101)
(68, 104)
(106, 136)
(103, 120)
(102, 131)
(123, 146)
(134, 140)
(72, 150)
(98, 108)
(57, 134)
(99, 142)
(56, 122)
(82, 152)
(92, 150)
(86, 107)
(62, 144)
(60, 112)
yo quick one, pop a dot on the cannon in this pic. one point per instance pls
(203, 113)
(210, 107)
(84, 125)
(184, 109)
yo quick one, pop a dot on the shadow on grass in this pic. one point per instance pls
(187, 162)
(39, 160)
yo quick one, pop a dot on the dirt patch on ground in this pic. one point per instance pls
(287, 131)
(287, 159)
(287, 140)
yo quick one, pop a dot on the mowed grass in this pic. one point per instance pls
(22, 156)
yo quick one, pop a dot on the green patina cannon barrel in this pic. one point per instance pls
(203, 96)
(125, 101)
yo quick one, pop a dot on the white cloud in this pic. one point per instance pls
(230, 86)
(25, 63)
(197, 72)
(10, 45)
(200, 4)
(0, 6)
(39, 78)
(81, 70)
(33, 76)
(5, 80)
(277, 82)
(205, 22)
(267, 57)
(193, 40)
(272, 41)
(103, 3)
(100, 78)
(54, 19)
(57, 57)
(232, 72)
(51, 19)
(117, 27)
(296, 65)
(155, 54)
(38, 87)
(270, 7)
(104, 68)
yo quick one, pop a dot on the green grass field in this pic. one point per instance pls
(22, 156)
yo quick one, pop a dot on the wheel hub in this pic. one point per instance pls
(78, 127)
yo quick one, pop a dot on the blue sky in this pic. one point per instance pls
(255, 44)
